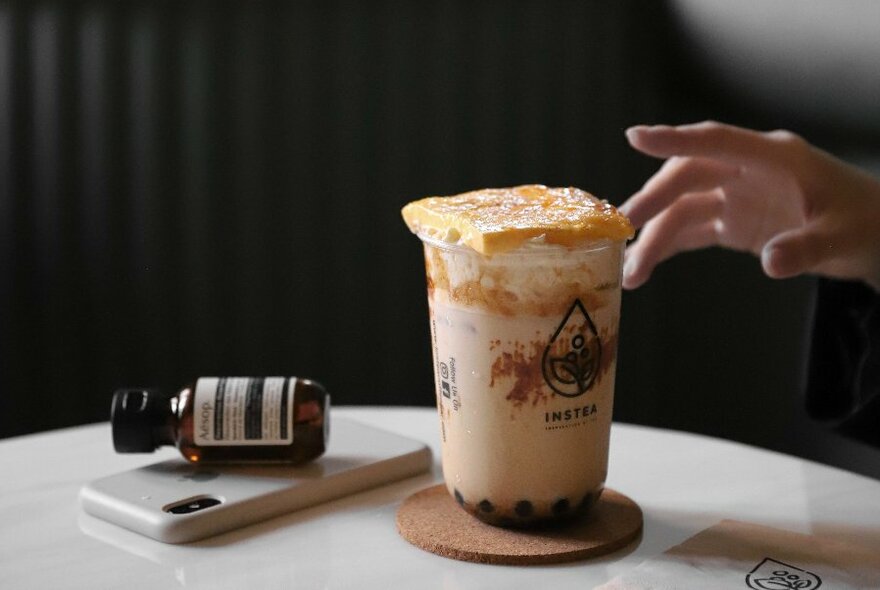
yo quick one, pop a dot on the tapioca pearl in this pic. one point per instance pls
(561, 506)
(459, 498)
(524, 509)
(486, 506)
(587, 501)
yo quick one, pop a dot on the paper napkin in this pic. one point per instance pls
(738, 556)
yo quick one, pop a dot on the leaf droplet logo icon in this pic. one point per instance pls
(771, 574)
(571, 358)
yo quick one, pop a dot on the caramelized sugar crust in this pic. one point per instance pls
(497, 220)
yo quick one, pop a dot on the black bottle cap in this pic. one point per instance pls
(136, 416)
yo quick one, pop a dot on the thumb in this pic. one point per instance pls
(794, 252)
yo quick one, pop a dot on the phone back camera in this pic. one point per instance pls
(191, 505)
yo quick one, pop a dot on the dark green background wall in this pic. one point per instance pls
(194, 188)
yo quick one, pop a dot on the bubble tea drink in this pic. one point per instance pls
(524, 297)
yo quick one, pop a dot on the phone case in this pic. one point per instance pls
(219, 498)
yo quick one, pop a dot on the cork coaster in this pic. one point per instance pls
(431, 520)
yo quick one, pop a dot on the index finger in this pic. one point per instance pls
(708, 139)
(678, 176)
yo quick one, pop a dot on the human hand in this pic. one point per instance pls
(772, 194)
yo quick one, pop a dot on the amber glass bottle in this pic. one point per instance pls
(226, 419)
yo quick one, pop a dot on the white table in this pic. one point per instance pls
(683, 482)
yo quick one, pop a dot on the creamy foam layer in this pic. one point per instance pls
(535, 279)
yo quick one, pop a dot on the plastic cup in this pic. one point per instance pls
(525, 348)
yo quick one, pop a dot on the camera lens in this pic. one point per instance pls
(192, 505)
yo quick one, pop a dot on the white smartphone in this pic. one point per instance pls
(178, 502)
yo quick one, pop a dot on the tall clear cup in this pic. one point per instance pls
(525, 348)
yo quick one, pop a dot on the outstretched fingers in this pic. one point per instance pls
(690, 223)
(677, 176)
(709, 139)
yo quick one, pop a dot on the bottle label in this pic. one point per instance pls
(244, 411)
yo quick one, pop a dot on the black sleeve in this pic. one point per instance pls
(843, 381)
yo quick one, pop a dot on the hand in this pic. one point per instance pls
(772, 194)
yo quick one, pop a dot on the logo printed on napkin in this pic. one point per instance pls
(775, 575)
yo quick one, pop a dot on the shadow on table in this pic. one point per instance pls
(865, 537)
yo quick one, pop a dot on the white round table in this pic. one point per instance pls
(683, 482)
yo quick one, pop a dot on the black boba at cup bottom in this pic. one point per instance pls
(527, 513)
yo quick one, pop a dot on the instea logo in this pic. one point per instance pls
(571, 359)
(775, 575)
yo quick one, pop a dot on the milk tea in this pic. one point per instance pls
(524, 327)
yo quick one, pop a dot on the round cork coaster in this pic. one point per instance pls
(431, 520)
